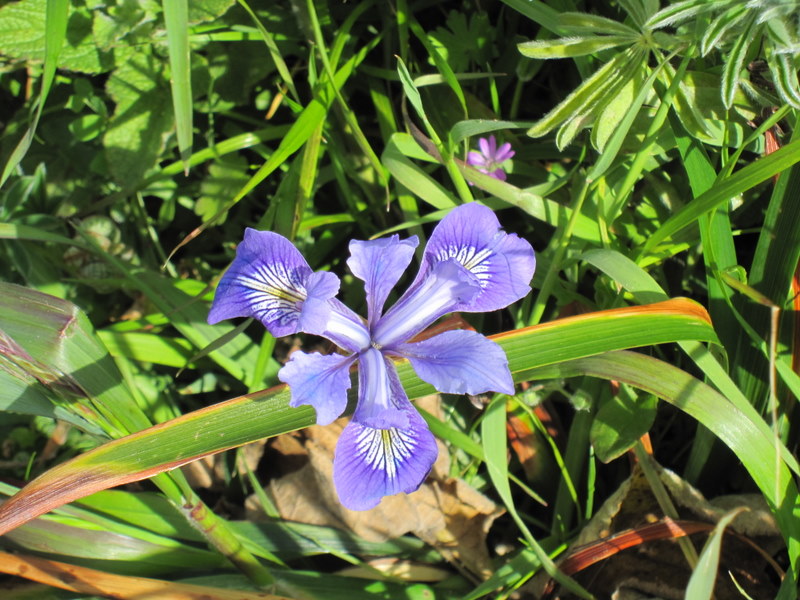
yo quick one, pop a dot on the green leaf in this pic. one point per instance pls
(176, 19)
(26, 30)
(678, 12)
(704, 576)
(413, 177)
(759, 452)
(225, 178)
(735, 62)
(63, 355)
(135, 136)
(744, 179)
(574, 46)
(267, 413)
(720, 26)
(592, 91)
(55, 29)
(621, 422)
(586, 23)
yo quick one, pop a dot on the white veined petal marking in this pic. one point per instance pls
(470, 258)
(274, 291)
(385, 449)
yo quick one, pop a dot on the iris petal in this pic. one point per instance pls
(268, 280)
(371, 463)
(319, 380)
(380, 394)
(446, 285)
(503, 263)
(460, 362)
(380, 264)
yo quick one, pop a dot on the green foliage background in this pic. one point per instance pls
(656, 158)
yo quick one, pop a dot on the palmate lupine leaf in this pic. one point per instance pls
(267, 413)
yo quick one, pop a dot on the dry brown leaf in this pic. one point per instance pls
(445, 512)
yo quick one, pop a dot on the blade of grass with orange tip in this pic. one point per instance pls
(267, 413)
(84, 580)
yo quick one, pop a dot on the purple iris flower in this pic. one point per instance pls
(490, 158)
(469, 265)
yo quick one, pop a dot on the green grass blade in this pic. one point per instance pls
(744, 179)
(55, 33)
(176, 18)
(701, 583)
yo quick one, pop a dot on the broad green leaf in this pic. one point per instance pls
(464, 129)
(267, 413)
(543, 209)
(134, 139)
(225, 178)
(64, 355)
(539, 12)
(620, 423)
(25, 32)
(573, 46)
(148, 347)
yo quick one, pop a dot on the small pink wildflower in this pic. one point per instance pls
(490, 158)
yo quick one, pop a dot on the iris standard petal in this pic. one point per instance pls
(446, 285)
(380, 264)
(267, 280)
(371, 463)
(502, 263)
(380, 394)
(460, 362)
(319, 380)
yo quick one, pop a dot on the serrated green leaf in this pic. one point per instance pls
(23, 35)
(134, 139)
